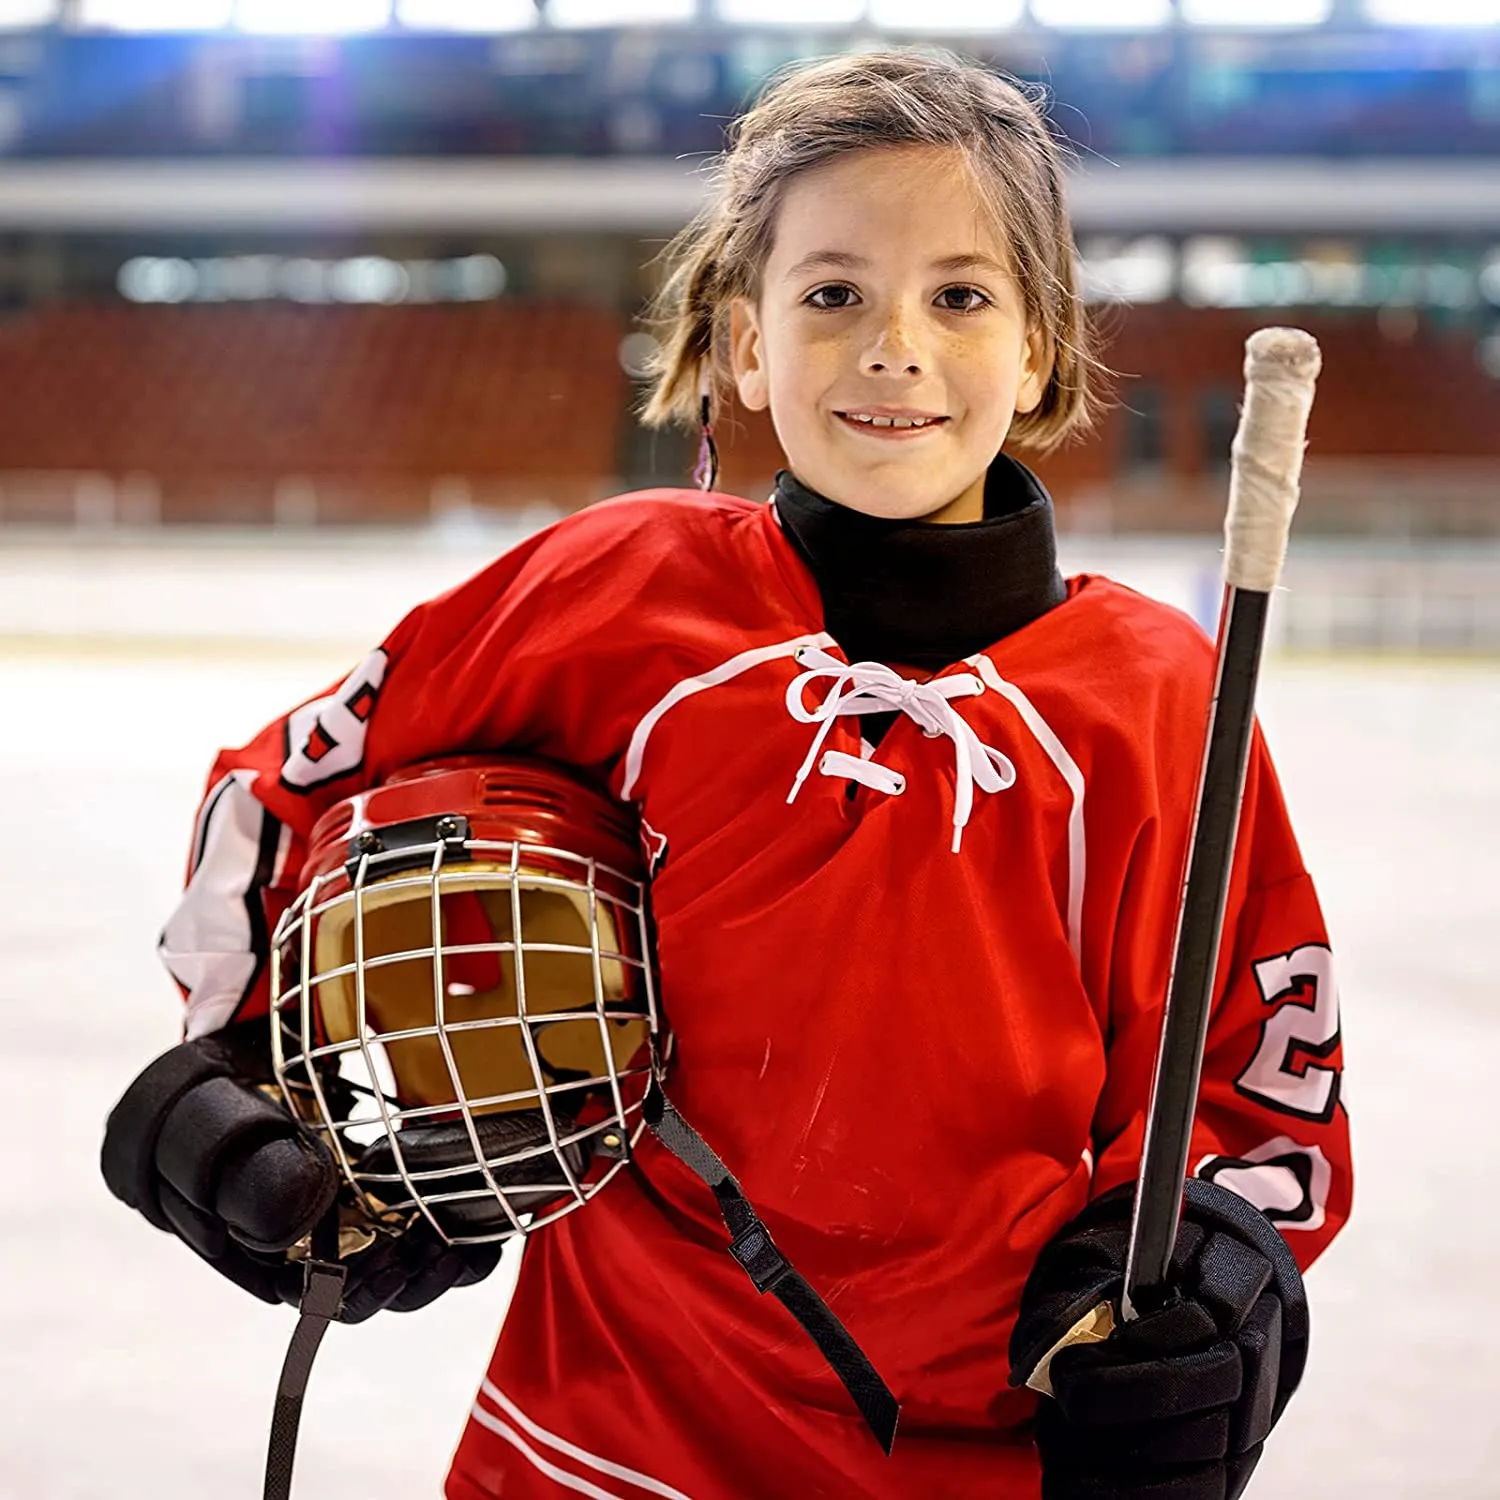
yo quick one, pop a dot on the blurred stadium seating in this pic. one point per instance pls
(374, 261)
(277, 412)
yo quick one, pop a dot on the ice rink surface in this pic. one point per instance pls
(129, 1372)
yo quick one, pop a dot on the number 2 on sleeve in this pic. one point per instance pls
(1283, 1073)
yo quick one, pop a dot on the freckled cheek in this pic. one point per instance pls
(986, 382)
(806, 378)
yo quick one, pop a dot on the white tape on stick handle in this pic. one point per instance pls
(1281, 369)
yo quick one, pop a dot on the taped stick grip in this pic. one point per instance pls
(1281, 370)
(1092, 1328)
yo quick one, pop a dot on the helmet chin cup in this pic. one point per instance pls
(463, 1002)
(439, 1160)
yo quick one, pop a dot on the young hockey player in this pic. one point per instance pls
(917, 809)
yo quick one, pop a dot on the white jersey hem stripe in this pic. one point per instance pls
(489, 1390)
(561, 1476)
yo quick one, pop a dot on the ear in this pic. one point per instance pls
(1036, 370)
(747, 355)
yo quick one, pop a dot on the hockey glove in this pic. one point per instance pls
(201, 1146)
(1177, 1404)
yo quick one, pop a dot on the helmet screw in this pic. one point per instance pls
(448, 827)
(367, 842)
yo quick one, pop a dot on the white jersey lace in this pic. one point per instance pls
(868, 687)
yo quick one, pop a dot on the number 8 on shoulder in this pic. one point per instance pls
(1281, 370)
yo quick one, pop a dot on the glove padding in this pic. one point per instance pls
(204, 1151)
(1177, 1404)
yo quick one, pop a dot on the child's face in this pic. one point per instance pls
(868, 301)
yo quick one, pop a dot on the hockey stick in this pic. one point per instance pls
(1281, 368)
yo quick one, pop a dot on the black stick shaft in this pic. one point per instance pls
(1179, 1064)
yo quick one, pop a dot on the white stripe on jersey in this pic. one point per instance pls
(722, 673)
(1067, 768)
(490, 1391)
(214, 943)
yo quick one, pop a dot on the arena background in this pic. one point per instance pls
(309, 307)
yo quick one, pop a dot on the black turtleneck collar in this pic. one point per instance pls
(917, 594)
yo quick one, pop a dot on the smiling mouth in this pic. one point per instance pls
(891, 427)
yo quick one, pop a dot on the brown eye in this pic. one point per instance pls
(823, 291)
(964, 291)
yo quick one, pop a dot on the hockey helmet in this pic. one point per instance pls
(463, 1004)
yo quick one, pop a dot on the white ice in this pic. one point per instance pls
(127, 1370)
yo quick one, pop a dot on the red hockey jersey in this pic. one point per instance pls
(916, 1004)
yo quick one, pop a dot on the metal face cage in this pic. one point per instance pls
(463, 1006)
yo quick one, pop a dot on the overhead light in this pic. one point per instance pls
(1214, 273)
(300, 278)
(368, 278)
(1255, 12)
(466, 15)
(1143, 270)
(946, 15)
(1433, 12)
(637, 353)
(155, 15)
(151, 278)
(1489, 277)
(1116, 15)
(324, 18)
(248, 278)
(478, 278)
(303, 279)
(619, 12)
(15, 14)
(792, 12)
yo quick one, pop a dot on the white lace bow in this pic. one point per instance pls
(869, 687)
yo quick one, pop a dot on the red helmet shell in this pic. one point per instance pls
(505, 799)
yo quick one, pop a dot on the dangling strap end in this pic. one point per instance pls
(322, 1301)
(882, 1417)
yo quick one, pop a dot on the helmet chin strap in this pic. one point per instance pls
(529, 1185)
(770, 1271)
(435, 1147)
(424, 1148)
(322, 1299)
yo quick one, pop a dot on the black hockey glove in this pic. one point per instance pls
(201, 1146)
(1177, 1404)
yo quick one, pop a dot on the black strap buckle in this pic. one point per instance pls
(756, 1251)
(770, 1271)
(322, 1289)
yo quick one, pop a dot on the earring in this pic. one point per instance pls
(706, 470)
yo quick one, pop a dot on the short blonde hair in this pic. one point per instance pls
(812, 112)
